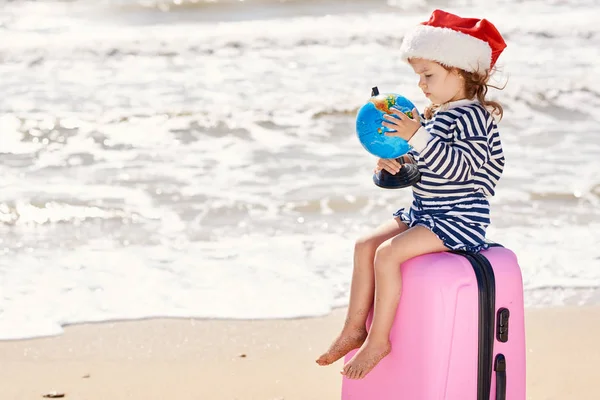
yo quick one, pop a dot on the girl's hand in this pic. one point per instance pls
(404, 126)
(389, 164)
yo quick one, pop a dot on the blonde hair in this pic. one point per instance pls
(476, 86)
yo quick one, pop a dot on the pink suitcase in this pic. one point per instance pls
(459, 332)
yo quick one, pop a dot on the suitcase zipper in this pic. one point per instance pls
(500, 368)
(487, 296)
(487, 325)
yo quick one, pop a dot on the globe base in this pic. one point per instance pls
(408, 176)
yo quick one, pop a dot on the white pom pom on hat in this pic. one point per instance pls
(470, 44)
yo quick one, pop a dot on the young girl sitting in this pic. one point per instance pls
(457, 149)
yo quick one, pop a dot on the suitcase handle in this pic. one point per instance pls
(500, 368)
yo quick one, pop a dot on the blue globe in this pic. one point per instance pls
(371, 133)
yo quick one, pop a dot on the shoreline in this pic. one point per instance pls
(174, 358)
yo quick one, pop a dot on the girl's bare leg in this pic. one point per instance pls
(354, 331)
(388, 284)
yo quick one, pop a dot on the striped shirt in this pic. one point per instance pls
(458, 151)
(459, 155)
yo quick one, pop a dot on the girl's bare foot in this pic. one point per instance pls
(366, 359)
(348, 340)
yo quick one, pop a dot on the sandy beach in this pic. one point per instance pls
(256, 360)
(181, 158)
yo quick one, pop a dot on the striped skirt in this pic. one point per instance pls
(459, 221)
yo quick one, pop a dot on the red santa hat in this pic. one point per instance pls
(470, 44)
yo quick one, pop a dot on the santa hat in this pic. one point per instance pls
(466, 43)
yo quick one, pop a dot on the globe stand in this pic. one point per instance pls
(407, 176)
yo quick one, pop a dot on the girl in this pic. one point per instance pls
(459, 154)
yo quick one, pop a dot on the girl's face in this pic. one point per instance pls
(439, 84)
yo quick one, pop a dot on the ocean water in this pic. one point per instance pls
(198, 159)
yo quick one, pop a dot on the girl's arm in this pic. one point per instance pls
(456, 161)
(409, 157)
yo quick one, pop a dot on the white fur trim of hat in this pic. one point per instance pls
(470, 44)
(448, 47)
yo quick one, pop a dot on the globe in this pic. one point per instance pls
(371, 133)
